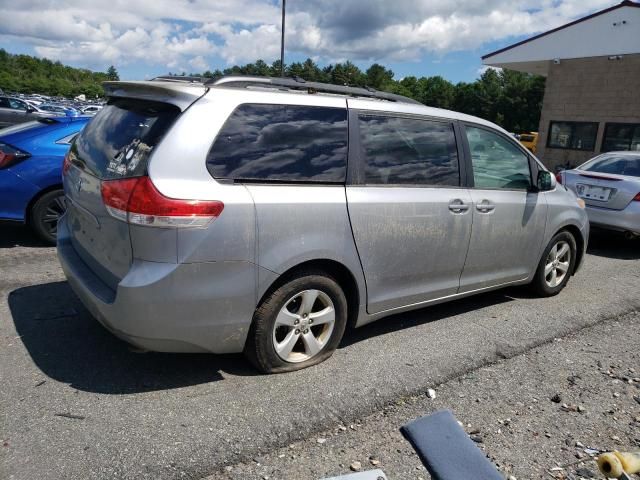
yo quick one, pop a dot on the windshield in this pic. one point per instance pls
(616, 164)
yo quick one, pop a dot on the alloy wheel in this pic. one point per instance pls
(52, 213)
(304, 326)
(557, 264)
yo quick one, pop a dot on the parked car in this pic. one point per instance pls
(610, 187)
(14, 110)
(225, 217)
(61, 109)
(530, 141)
(91, 109)
(31, 156)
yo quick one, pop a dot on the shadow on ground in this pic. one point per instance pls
(606, 243)
(14, 234)
(68, 345)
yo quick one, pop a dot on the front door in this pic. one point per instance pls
(410, 216)
(509, 217)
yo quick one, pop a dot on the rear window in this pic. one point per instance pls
(117, 142)
(620, 165)
(281, 143)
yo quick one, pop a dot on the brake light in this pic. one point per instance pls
(637, 198)
(137, 200)
(559, 177)
(10, 155)
(66, 165)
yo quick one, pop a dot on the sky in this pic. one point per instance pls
(145, 38)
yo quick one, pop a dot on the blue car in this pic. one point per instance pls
(31, 157)
(59, 109)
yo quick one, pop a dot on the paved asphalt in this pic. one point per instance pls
(77, 403)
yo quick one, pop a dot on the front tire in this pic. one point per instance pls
(556, 265)
(297, 325)
(45, 213)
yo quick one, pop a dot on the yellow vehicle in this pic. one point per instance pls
(529, 140)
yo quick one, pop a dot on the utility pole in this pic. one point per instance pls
(284, 2)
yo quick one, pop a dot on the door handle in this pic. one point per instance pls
(458, 206)
(485, 206)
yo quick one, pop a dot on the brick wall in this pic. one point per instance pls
(590, 90)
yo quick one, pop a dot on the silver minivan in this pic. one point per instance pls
(266, 215)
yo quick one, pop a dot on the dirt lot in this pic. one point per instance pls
(77, 403)
(535, 415)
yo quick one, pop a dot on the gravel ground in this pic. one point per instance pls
(77, 403)
(534, 415)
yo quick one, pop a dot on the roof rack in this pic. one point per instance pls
(180, 79)
(297, 83)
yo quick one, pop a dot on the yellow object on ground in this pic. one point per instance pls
(615, 464)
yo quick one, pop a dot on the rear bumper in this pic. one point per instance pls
(627, 220)
(167, 307)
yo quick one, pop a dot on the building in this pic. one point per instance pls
(592, 95)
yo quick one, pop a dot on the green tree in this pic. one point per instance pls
(378, 77)
(112, 73)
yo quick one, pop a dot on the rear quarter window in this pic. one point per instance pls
(281, 143)
(118, 141)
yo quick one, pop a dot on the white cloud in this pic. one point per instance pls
(173, 33)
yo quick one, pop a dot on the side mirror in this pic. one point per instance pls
(546, 181)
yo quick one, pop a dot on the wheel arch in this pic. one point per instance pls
(338, 271)
(580, 243)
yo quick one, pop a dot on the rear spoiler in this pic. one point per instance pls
(179, 94)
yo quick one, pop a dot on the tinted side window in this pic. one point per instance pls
(408, 151)
(497, 162)
(288, 143)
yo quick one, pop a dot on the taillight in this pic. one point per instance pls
(66, 165)
(11, 155)
(559, 177)
(137, 200)
(637, 198)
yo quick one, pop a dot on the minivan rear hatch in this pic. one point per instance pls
(115, 144)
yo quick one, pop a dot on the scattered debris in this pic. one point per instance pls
(431, 393)
(573, 379)
(476, 438)
(374, 461)
(585, 472)
(321, 440)
(41, 382)
(556, 398)
(356, 466)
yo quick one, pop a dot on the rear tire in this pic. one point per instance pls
(556, 265)
(45, 213)
(298, 325)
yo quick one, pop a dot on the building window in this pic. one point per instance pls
(621, 136)
(573, 135)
